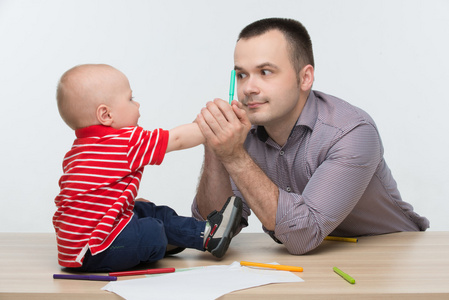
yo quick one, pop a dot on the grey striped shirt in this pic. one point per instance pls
(332, 177)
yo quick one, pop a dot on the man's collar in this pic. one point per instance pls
(309, 113)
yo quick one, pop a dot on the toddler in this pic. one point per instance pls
(99, 224)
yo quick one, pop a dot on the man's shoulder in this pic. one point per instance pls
(338, 113)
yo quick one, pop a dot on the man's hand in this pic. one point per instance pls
(225, 128)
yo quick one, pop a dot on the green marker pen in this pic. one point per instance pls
(232, 87)
(344, 275)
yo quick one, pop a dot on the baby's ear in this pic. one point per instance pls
(104, 115)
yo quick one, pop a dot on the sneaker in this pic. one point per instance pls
(223, 226)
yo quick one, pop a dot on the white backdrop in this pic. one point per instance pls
(388, 57)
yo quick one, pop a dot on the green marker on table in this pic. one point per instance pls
(344, 275)
(232, 87)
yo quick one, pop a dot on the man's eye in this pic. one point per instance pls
(241, 75)
(266, 72)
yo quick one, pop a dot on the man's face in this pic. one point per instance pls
(267, 83)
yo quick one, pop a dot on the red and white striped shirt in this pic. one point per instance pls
(102, 173)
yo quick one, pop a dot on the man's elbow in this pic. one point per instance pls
(295, 249)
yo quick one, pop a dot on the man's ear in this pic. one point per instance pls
(307, 77)
(104, 115)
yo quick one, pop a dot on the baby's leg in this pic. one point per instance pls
(180, 231)
(213, 235)
(142, 240)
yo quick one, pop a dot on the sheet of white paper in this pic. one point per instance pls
(204, 283)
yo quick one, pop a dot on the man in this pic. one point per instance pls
(311, 165)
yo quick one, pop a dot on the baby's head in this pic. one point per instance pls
(96, 95)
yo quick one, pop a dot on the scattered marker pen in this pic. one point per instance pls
(341, 239)
(84, 277)
(143, 272)
(344, 275)
(276, 267)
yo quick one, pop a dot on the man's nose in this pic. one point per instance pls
(250, 86)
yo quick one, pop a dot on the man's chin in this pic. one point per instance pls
(256, 121)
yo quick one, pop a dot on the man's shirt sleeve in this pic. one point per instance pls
(304, 220)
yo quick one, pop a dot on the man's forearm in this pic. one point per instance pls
(259, 191)
(214, 187)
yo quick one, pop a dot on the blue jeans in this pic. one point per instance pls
(145, 238)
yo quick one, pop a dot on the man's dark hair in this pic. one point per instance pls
(300, 44)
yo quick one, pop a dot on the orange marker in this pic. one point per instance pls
(277, 267)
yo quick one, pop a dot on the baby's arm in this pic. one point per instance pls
(184, 136)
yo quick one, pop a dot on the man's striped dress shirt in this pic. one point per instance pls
(332, 177)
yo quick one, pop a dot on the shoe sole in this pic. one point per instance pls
(236, 215)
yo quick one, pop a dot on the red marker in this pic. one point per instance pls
(143, 272)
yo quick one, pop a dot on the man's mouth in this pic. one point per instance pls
(253, 105)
